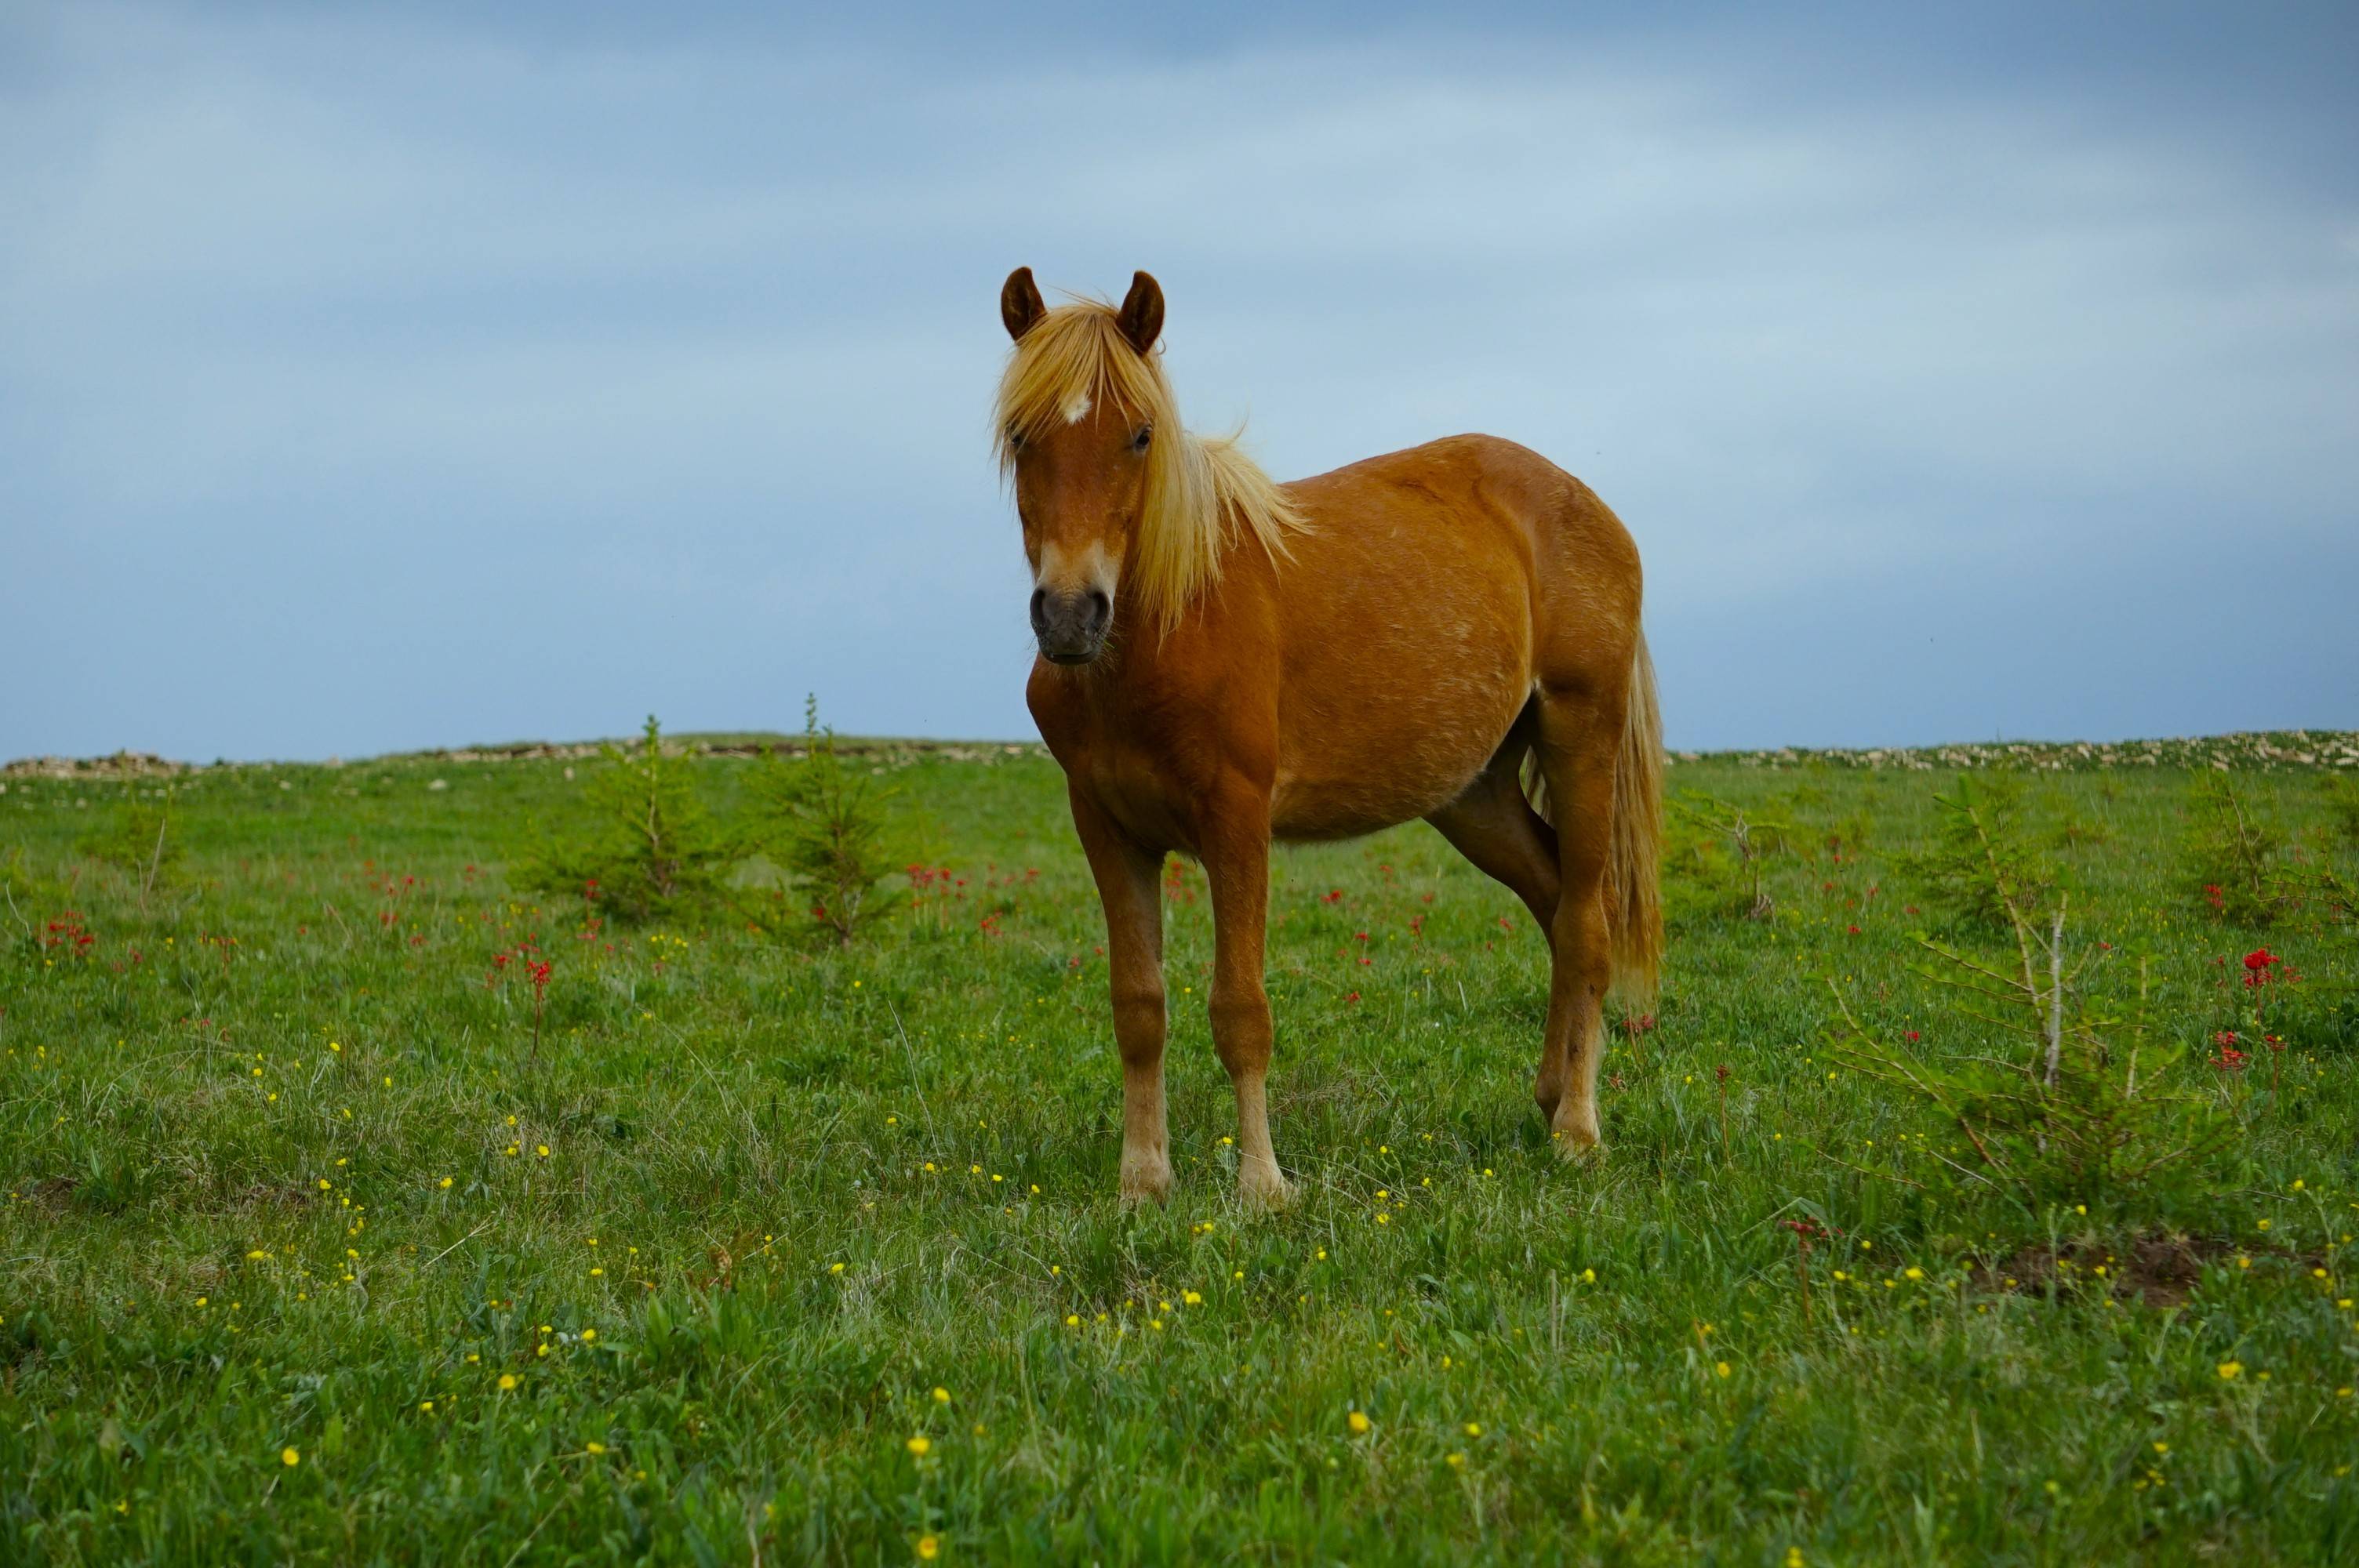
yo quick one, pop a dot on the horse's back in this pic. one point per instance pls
(1566, 526)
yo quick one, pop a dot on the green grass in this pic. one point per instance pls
(279, 1185)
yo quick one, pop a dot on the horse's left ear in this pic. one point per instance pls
(1020, 304)
(1141, 316)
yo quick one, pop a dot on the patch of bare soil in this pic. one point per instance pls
(2160, 1271)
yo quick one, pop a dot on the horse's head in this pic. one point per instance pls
(1078, 411)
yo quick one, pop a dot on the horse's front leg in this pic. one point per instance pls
(1127, 878)
(1235, 840)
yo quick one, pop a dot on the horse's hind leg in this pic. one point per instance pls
(1580, 735)
(1495, 827)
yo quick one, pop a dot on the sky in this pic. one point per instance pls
(379, 378)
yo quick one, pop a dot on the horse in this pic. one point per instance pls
(1448, 632)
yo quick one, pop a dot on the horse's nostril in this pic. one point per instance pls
(1101, 607)
(1040, 610)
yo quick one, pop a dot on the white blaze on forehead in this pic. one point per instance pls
(1078, 409)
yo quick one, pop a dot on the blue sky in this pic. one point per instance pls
(383, 378)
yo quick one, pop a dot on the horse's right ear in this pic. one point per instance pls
(1019, 303)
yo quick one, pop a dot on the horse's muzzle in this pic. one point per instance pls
(1070, 624)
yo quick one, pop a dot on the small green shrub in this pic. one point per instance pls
(1978, 870)
(821, 821)
(2086, 1113)
(648, 847)
(1715, 864)
(2343, 808)
(2249, 872)
(2232, 851)
(138, 838)
(30, 897)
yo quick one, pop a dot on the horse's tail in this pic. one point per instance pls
(1634, 900)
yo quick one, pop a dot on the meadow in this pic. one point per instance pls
(338, 1229)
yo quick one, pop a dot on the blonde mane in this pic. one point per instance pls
(1198, 488)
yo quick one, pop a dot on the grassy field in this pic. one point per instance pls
(308, 1253)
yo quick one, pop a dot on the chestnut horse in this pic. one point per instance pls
(1224, 661)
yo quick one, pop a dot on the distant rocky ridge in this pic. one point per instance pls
(2250, 751)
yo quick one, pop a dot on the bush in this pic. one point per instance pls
(2084, 1114)
(2342, 806)
(137, 838)
(649, 848)
(2233, 851)
(1978, 870)
(821, 822)
(31, 898)
(2249, 874)
(1715, 863)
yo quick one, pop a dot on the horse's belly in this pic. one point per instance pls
(1400, 724)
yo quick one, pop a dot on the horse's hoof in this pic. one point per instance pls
(1147, 1186)
(1270, 1191)
(1577, 1146)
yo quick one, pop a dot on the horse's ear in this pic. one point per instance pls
(1141, 316)
(1019, 303)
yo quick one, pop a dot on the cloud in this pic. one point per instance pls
(653, 371)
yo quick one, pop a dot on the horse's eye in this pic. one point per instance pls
(1015, 440)
(1146, 434)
